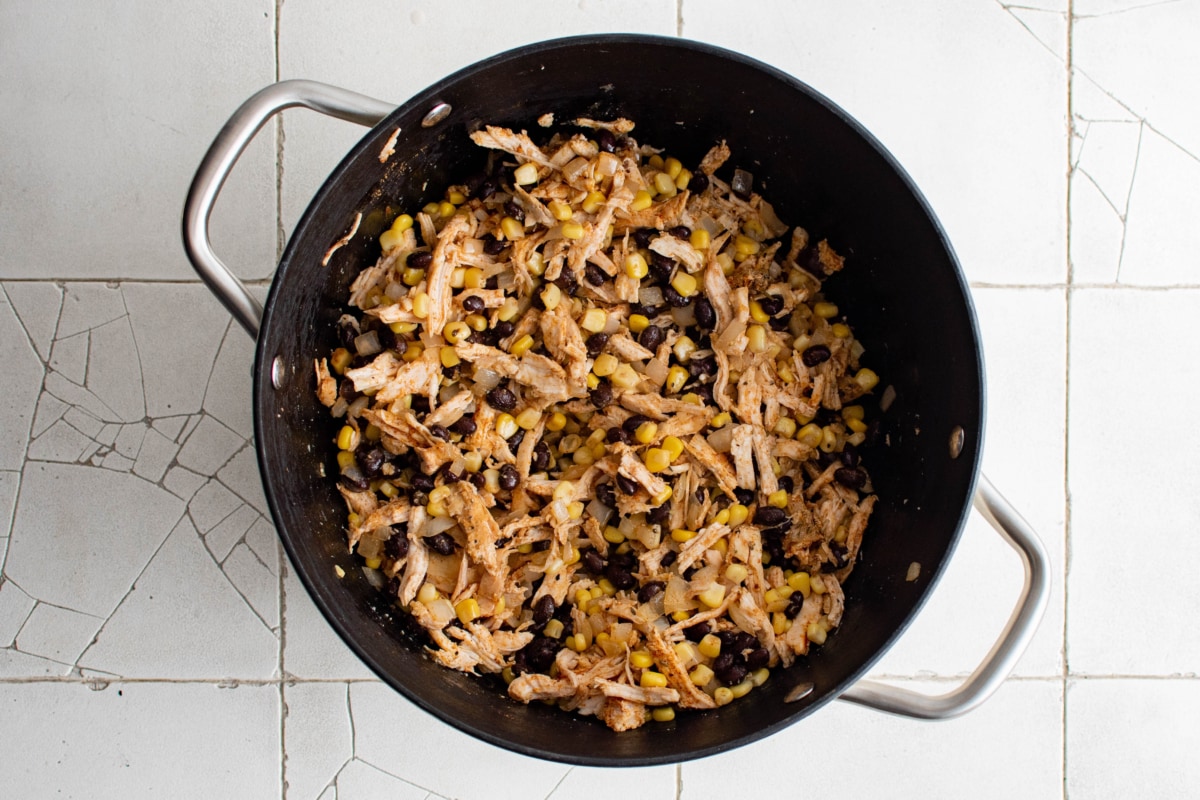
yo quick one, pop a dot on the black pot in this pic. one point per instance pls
(902, 289)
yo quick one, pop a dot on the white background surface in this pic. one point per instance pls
(153, 642)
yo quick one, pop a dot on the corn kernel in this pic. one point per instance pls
(345, 458)
(430, 208)
(672, 166)
(559, 210)
(713, 595)
(681, 535)
(677, 376)
(446, 209)
(809, 435)
(506, 425)
(840, 330)
(866, 378)
(625, 377)
(557, 421)
(680, 616)
(736, 573)
(662, 496)
(721, 517)
(473, 278)
(664, 184)
(856, 425)
(738, 514)
(662, 713)
(436, 508)
(815, 633)
(591, 204)
(521, 346)
(778, 499)
(594, 320)
(508, 309)
(413, 351)
(575, 507)
(613, 535)
(674, 446)
(853, 412)
(757, 314)
(347, 438)
(638, 322)
(799, 582)
(636, 266)
(421, 305)
(745, 246)
(605, 364)
(448, 357)
(829, 439)
(572, 230)
(700, 239)
(723, 696)
(491, 480)
(785, 427)
(455, 332)
(403, 327)
(721, 420)
(536, 263)
(701, 675)
(742, 689)
(389, 240)
(511, 229)
(401, 223)
(467, 610)
(525, 174)
(656, 459)
(779, 623)
(652, 680)
(646, 432)
(528, 419)
(412, 276)
(564, 490)
(472, 461)
(427, 593)
(641, 201)
(553, 629)
(684, 283)
(726, 263)
(757, 337)
(641, 659)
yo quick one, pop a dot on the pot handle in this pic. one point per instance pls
(1003, 656)
(229, 145)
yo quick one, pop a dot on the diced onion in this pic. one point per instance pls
(650, 296)
(358, 406)
(721, 439)
(373, 576)
(367, 344)
(486, 380)
(436, 525)
(601, 512)
(338, 409)
(685, 316)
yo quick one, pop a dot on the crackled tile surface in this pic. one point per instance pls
(155, 642)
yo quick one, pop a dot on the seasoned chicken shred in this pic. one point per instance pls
(601, 428)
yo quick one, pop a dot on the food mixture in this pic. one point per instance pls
(601, 427)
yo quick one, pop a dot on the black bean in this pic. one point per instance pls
(650, 590)
(594, 275)
(757, 659)
(487, 189)
(778, 532)
(631, 424)
(602, 395)
(769, 516)
(661, 267)
(477, 480)
(795, 603)
(419, 259)
(440, 432)
(744, 496)
(543, 610)
(606, 141)
(346, 390)
(567, 283)
(617, 434)
(779, 323)
(440, 543)
(396, 547)
(472, 304)
(627, 560)
(541, 457)
(825, 459)
(850, 477)
(669, 558)
(503, 329)
(814, 355)
(474, 181)
(841, 556)
(371, 461)
(509, 477)
(605, 494)
(514, 210)
(728, 642)
(702, 366)
(353, 478)
(643, 236)
(698, 183)
(772, 304)
(347, 332)
(675, 299)
(626, 485)
(649, 312)
(492, 283)
(850, 455)
(538, 655)
(393, 586)
(621, 577)
(464, 426)
(786, 483)
(734, 675)
(502, 399)
(651, 338)
(592, 561)
(742, 183)
(725, 660)
(745, 641)
(680, 232)
(706, 317)
(596, 343)
(658, 516)
(515, 440)
(695, 633)
(387, 337)
(810, 261)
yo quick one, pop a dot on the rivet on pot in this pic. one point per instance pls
(799, 692)
(277, 372)
(436, 115)
(957, 438)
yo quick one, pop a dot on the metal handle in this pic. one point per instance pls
(1003, 656)
(229, 145)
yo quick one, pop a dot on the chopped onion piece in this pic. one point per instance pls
(601, 512)
(721, 439)
(650, 296)
(486, 380)
(358, 406)
(338, 409)
(367, 344)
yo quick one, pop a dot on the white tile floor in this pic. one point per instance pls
(144, 602)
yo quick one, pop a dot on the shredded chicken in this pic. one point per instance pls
(562, 496)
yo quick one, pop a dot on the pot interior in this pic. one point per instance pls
(902, 290)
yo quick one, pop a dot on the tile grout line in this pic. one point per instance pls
(1066, 552)
(279, 554)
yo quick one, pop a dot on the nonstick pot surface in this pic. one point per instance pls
(902, 290)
